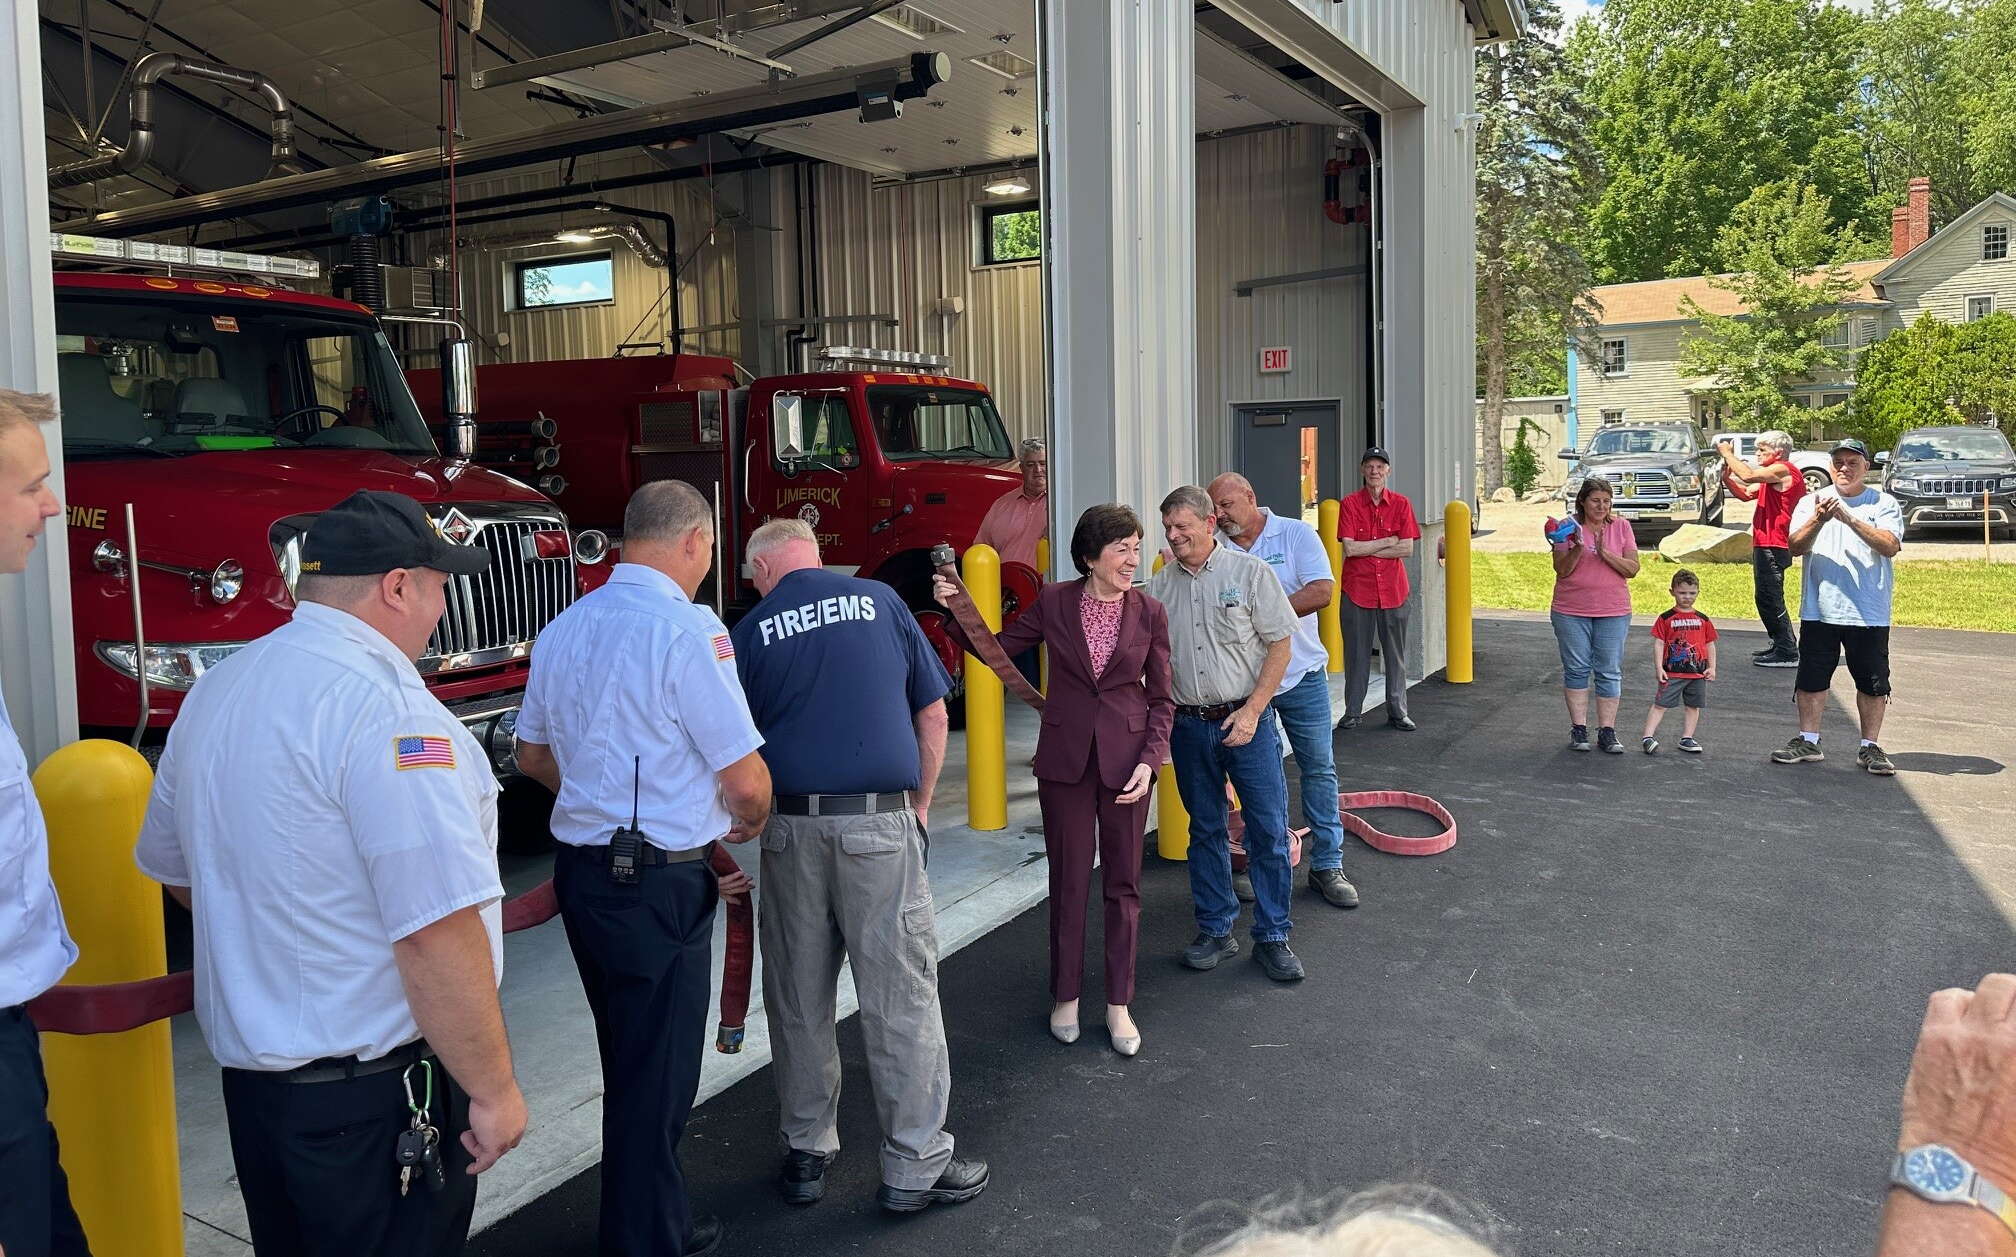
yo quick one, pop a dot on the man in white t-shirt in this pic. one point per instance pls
(1847, 535)
(1295, 554)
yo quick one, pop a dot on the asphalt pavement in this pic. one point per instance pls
(1656, 1005)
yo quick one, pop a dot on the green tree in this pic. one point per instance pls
(1696, 103)
(1934, 372)
(1536, 173)
(1784, 251)
(1911, 114)
(1522, 466)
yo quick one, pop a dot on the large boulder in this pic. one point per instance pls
(1504, 494)
(1701, 543)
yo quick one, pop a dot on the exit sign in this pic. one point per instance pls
(1274, 361)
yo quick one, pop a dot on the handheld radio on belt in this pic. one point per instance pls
(627, 843)
(989, 651)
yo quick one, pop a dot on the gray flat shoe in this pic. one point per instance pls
(1125, 1044)
(1064, 1034)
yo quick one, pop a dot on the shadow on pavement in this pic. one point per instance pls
(1649, 1004)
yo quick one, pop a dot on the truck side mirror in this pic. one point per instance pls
(787, 426)
(458, 395)
(1569, 455)
(1882, 457)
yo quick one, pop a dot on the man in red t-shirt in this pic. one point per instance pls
(1378, 530)
(1776, 487)
(1683, 658)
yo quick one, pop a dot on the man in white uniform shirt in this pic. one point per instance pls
(1295, 553)
(36, 1219)
(333, 829)
(635, 719)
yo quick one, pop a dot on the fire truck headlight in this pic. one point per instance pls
(591, 545)
(227, 582)
(174, 666)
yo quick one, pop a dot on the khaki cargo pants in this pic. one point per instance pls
(853, 887)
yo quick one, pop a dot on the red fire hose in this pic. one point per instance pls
(117, 1006)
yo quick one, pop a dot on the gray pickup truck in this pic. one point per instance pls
(1661, 475)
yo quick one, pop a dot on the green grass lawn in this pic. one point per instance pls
(1933, 594)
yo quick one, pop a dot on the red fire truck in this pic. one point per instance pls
(882, 454)
(220, 416)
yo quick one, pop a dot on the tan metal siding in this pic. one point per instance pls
(707, 292)
(1941, 283)
(900, 250)
(1260, 214)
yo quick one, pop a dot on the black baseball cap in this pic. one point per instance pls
(372, 532)
(1378, 452)
(1853, 446)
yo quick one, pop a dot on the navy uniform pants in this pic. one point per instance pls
(644, 951)
(314, 1162)
(36, 1219)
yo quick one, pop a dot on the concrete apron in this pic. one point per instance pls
(979, 880)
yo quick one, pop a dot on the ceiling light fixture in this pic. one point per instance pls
(1013, 185)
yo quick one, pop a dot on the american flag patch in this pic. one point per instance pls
(724, 646)
(415, 750)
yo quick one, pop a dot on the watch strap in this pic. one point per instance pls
(1993, 1199)
(1979, 1191)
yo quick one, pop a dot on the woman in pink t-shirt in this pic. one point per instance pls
(1592, 612)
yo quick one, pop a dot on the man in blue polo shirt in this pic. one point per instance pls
(850, 700)
(1296, 555)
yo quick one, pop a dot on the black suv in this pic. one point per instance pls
(1947, 477)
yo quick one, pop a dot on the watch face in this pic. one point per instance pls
(1934, 1169)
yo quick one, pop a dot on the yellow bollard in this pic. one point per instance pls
(1330, 619)
(1456, 575)
(1172, 819)
(1043, 651)
(111, 1096)
(986, 728)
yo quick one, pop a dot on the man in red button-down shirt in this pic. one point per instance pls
(1378, 529)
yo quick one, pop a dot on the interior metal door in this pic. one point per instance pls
(1289, 451)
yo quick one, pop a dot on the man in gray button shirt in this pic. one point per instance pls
(1230, 626)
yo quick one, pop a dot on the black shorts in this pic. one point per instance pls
(1867, 647)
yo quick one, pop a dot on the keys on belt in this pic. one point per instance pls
(842, 804)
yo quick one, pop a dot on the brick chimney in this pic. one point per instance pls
(1911, 222)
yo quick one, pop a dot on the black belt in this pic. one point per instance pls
(648, 856)
(1215, 712)
(842, 804)
(342, 1068)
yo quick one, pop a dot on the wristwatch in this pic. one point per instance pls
(1936, 1173)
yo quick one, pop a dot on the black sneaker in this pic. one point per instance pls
(1872, 758)
(1578, 737)
(1351, 722)
(1798, 751)
(1206, 951)
(1334, 887)
(1404, 724)
(803, 1178)
(1242, 888)
(1648, 745)
(1778, 659)
(963, 1179)
(705, 1238)
(1692, 747)
(1757, 654)
(1606, 741)
(1278, 962)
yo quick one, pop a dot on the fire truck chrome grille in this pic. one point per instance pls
(493, 615)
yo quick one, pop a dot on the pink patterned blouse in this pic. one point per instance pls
(1102, 627)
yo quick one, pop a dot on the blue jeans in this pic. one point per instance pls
(1592, 644)
(1203, 764)
(1305, 716)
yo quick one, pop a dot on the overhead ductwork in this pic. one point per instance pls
(148, 71)
(630, 232)
(763, 104)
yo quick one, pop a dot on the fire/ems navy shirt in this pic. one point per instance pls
(835, 669)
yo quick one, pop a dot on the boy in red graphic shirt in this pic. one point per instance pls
(1683, 654)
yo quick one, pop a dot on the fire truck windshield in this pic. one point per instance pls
(174, 378)
(915, 421)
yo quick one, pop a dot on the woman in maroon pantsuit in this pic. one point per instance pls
(1105, 731)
